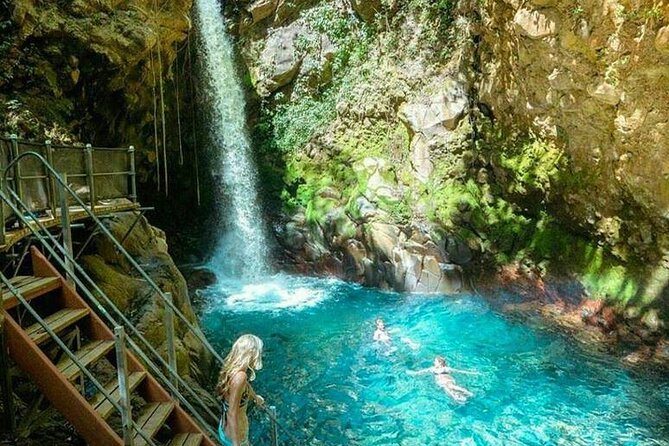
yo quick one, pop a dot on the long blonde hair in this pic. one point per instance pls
(245, 354)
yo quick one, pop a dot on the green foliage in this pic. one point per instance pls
(533, 165)
(295, 123)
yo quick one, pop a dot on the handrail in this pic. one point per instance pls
(87, 292)
(168, 302)
(69, 353)
(79, 146)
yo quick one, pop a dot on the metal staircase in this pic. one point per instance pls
(55, 337)
(59, 331)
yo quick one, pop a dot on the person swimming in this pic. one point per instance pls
(442, 377)
(382, 335)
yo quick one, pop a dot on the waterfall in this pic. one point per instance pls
(242, 249)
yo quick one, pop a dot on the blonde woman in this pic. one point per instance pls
(235, 391)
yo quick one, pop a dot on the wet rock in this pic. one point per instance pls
(421, 160)
(536, 24)
(457, 251)
(366, 209)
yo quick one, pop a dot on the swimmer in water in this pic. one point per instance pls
(382, 335)
(442, 376)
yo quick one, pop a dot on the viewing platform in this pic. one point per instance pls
(104, 179)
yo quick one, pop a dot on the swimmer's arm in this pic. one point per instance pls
(464, 372)
(420, 372)
(412, 344)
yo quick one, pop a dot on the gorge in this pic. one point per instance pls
(491, 177)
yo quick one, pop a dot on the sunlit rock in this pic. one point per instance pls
(536, 24)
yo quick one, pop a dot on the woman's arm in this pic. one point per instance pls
(239, 381)
(421, 372)
(260, 401)
(466, 372)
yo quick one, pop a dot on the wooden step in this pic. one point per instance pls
(103, 406)
(152, 419)
(87, 355)
(29, 287)
(58, 322)
(186, 440)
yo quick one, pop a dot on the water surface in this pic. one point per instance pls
(333, 386)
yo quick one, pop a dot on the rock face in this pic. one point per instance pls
(85, 69)
(502, 132)
(135, 298)
(595, 78)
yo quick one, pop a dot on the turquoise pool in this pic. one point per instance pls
(333, 386)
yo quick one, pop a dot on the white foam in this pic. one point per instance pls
(276, 294)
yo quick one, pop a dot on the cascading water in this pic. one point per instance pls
(242, 250)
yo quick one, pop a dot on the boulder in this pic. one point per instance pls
(662, 40)
(118, 280)
(261, 9)
(366, 9)
(536, 24)
(606, 93)
(384, 238)
(435, 115)
(279, 60)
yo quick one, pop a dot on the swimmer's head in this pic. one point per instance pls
(440, 361)
(380, 325)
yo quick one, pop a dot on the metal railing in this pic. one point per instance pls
(69, 264)
(101, 173)
(75, 274)
(124, 409)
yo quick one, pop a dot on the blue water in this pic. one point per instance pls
(333, 386)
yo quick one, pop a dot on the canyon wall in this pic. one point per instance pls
(406, 142)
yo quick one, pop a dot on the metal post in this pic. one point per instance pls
(90, 176)
(133, 174)
(124, 391)
(18, 186)
(169, 334)
(67, 229)
(2, 212)
(274, 432)
(53, 200)
(9, 415)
